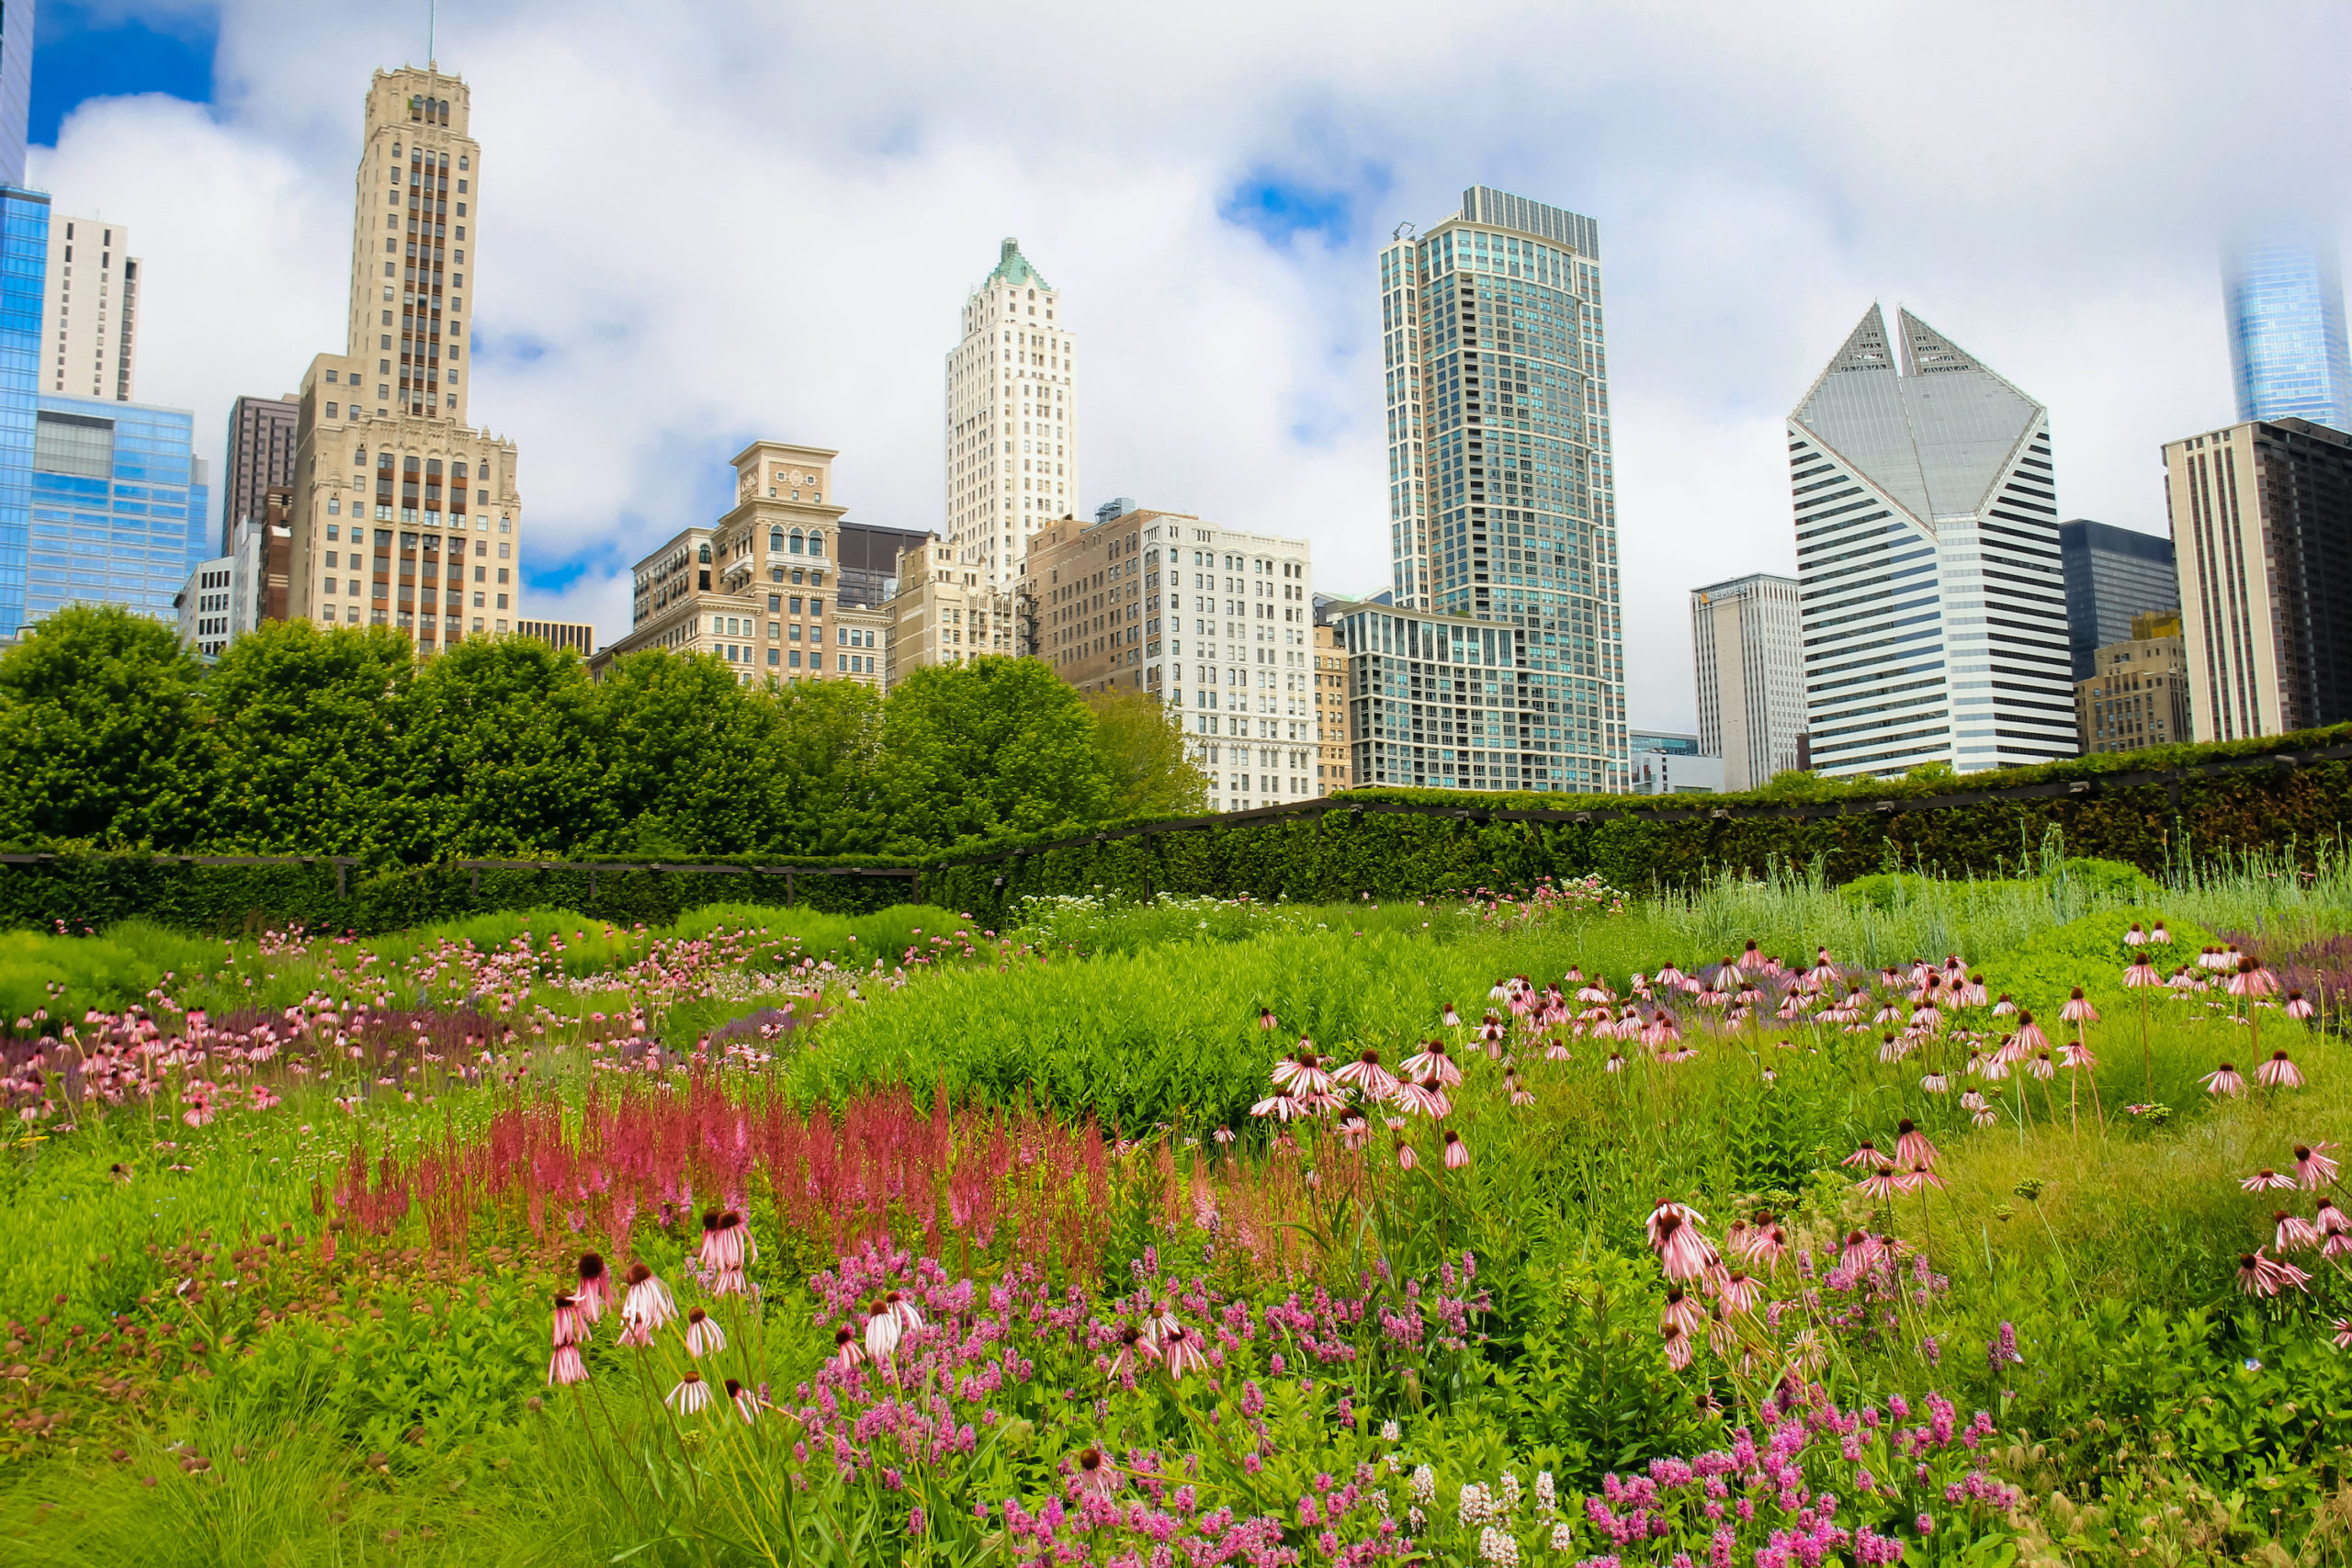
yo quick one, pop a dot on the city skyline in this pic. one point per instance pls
(1218, 270)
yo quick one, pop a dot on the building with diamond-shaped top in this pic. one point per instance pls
(1932, 603)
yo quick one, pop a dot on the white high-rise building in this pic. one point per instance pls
(1748, 655)
(1932, 604)
(89, 317)
(1012, 435)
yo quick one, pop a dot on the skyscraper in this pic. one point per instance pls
(1751, 687)
(92, 351)
(24, 266)
(2112, 574)
(262, 434)
(2287, 340)
(1012, 436)
(2262, 527)
(1932, 605)
(403, 513)
(15, 89)
(1501, 498)
(119, 507)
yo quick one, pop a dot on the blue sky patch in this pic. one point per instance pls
(87, 51)
(1281, 208)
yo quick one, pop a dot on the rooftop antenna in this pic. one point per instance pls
(431, 20)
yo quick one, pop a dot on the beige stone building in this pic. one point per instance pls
(1217, 623)
(2261, 527)
(89, 322)
(1012, 435)
(2138, 695)
(1330, 711)
(944, 613)
(757, 588)
(405, 514)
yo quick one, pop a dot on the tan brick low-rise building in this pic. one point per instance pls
(2138, 694)
(946, 613)
(1330, 711)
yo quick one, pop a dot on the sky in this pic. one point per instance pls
(700, 224)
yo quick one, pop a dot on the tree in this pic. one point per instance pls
(1141, 743)
(301, 752)
(996, 746)
(99, 735)
(500, 754)
(828, 757)
(691, 753)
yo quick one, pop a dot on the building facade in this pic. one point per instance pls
(1750, 660)
(2262, 528)
(944, 613)
(1012, 428)
(867, 560)
(24, 261)
(1669, 763)
(2112, 575)
(1447, 702)
(90, 310)
(576, 637)
(119, 507)
(203, 606)
(2137, 694)
(404, 514)
(1931, 603)
(1501, 488)
(16, 91)
(757, 588)
(1334, 754)
(1215, 623)
(2287, 354)
(263, 436)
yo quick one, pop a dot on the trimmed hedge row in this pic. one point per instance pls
(2153, 810)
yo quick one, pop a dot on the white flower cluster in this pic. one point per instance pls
(1509, 1488)
(1497, 1546)
(1562, 1536)
(1389, 1431)
(1424, 1486)
(1477, 1506)
(1547, 1496)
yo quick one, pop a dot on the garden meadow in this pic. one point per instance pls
(1922, 1220)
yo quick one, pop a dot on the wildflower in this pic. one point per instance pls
(1265, 1018)
(2297, 1007)
(1865, 1155)
(1859, 1251)
(2330, 1219)
(1677, 1346)
(2224, 1080)
(726, 1243)
(1498, 1547)
(897, 1304)
(1449, 1018)
(1911, 1146)
(1979, 1110)
(746, 1401)
(1095, 1476)
(2002, 1350)
(1738, 1292)
(2313, 1165)
(1423, 1098)
(566, 1365)
(570, 1328)
(2267, 1180)
(2253, 979)
(1433, 1062)
(1366, 1074)
(2293, 1232)
(883, 1331)
(2279, 1073)
(1281, 1107)
(2078, 1008)
(2135, 937)
(1181, 1349)
(2140, 975)
(2260, 1276)
(704, 1335)
(1881, 1184)
(1301, 1072)
(1682, 1311)
(1405, 1157)
(2041, 1067)
(1682, 1252)
(1457, 1153)
(2005, 1007)
(2160, 936)
(691, 1396)
(648, 1305)
(847, 1351)
(1935, 1083)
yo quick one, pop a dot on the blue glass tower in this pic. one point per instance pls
(24, 271)
(2286, 340)
(119, 506)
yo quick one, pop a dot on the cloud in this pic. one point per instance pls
(702, 223)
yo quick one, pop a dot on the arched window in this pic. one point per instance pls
(704, 556)
(776, 541)
(816, 544)
(796, 541)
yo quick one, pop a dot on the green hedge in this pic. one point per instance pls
(2200, 800)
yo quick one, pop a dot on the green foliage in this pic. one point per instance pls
(995, 746)
(99, 731)
(1141, 743)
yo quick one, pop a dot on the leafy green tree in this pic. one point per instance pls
(499, 753)
(996, 746)
(1141, 743)
(300, 750)
(690, 758)
(828, 755)
(99, 734)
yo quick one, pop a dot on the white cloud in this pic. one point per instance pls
(704, 223)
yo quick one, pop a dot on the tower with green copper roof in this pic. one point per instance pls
(1011, 419)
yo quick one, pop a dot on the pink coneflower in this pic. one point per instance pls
(2041, 1067)
(593, 1292)
(1881, 1184)
(1739, 1293)
(883, 1331)
(1682, 1311)
(1222, 1135)
(648, 1305)
(1367, 1075)
(1281, 1107)
(2343, 1326)
(2313, 1165)
(1911, 1146)
(1094, 1474)
(566, 1366)
(2253, 979)
(1433, 1061)
(847, 1351)
(704, 1335)
(691, 1396)
(2182, 980)
(2297, 1007)
(570, 1325)
(1682, 1252)
(1677, 1346)
(2224, 1080)
(900, 1305)
(1265, 1018)
(1136, 1350)
(1457, 1153)
(2029, 1036)
(2135, 937)
(1498, 991)
(1301, 1072)
(2142, 974)
(2078, 1008)
(2003, 1007)
(1865, 1155)
(2160, 936)
(1449, 1018)
(1423, 1098)
(2330, 1219)
(2261, 1276)
(1405, 1157)
(746, 1401)
(1765, 1243)
(2279, 1073)
(1669, 978)
(1181, 1349)
(2267, 1180)
(1935, 1083)
(2075, 1054)
(1859, 1250)
(1979, 1110)
(2294, 1233)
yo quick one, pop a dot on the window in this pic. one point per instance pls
(776, 541)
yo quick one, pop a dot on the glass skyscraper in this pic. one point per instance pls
(119, 503)
(2112, 574)
(2287, 340)
(24, 278)
(1502, 504)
